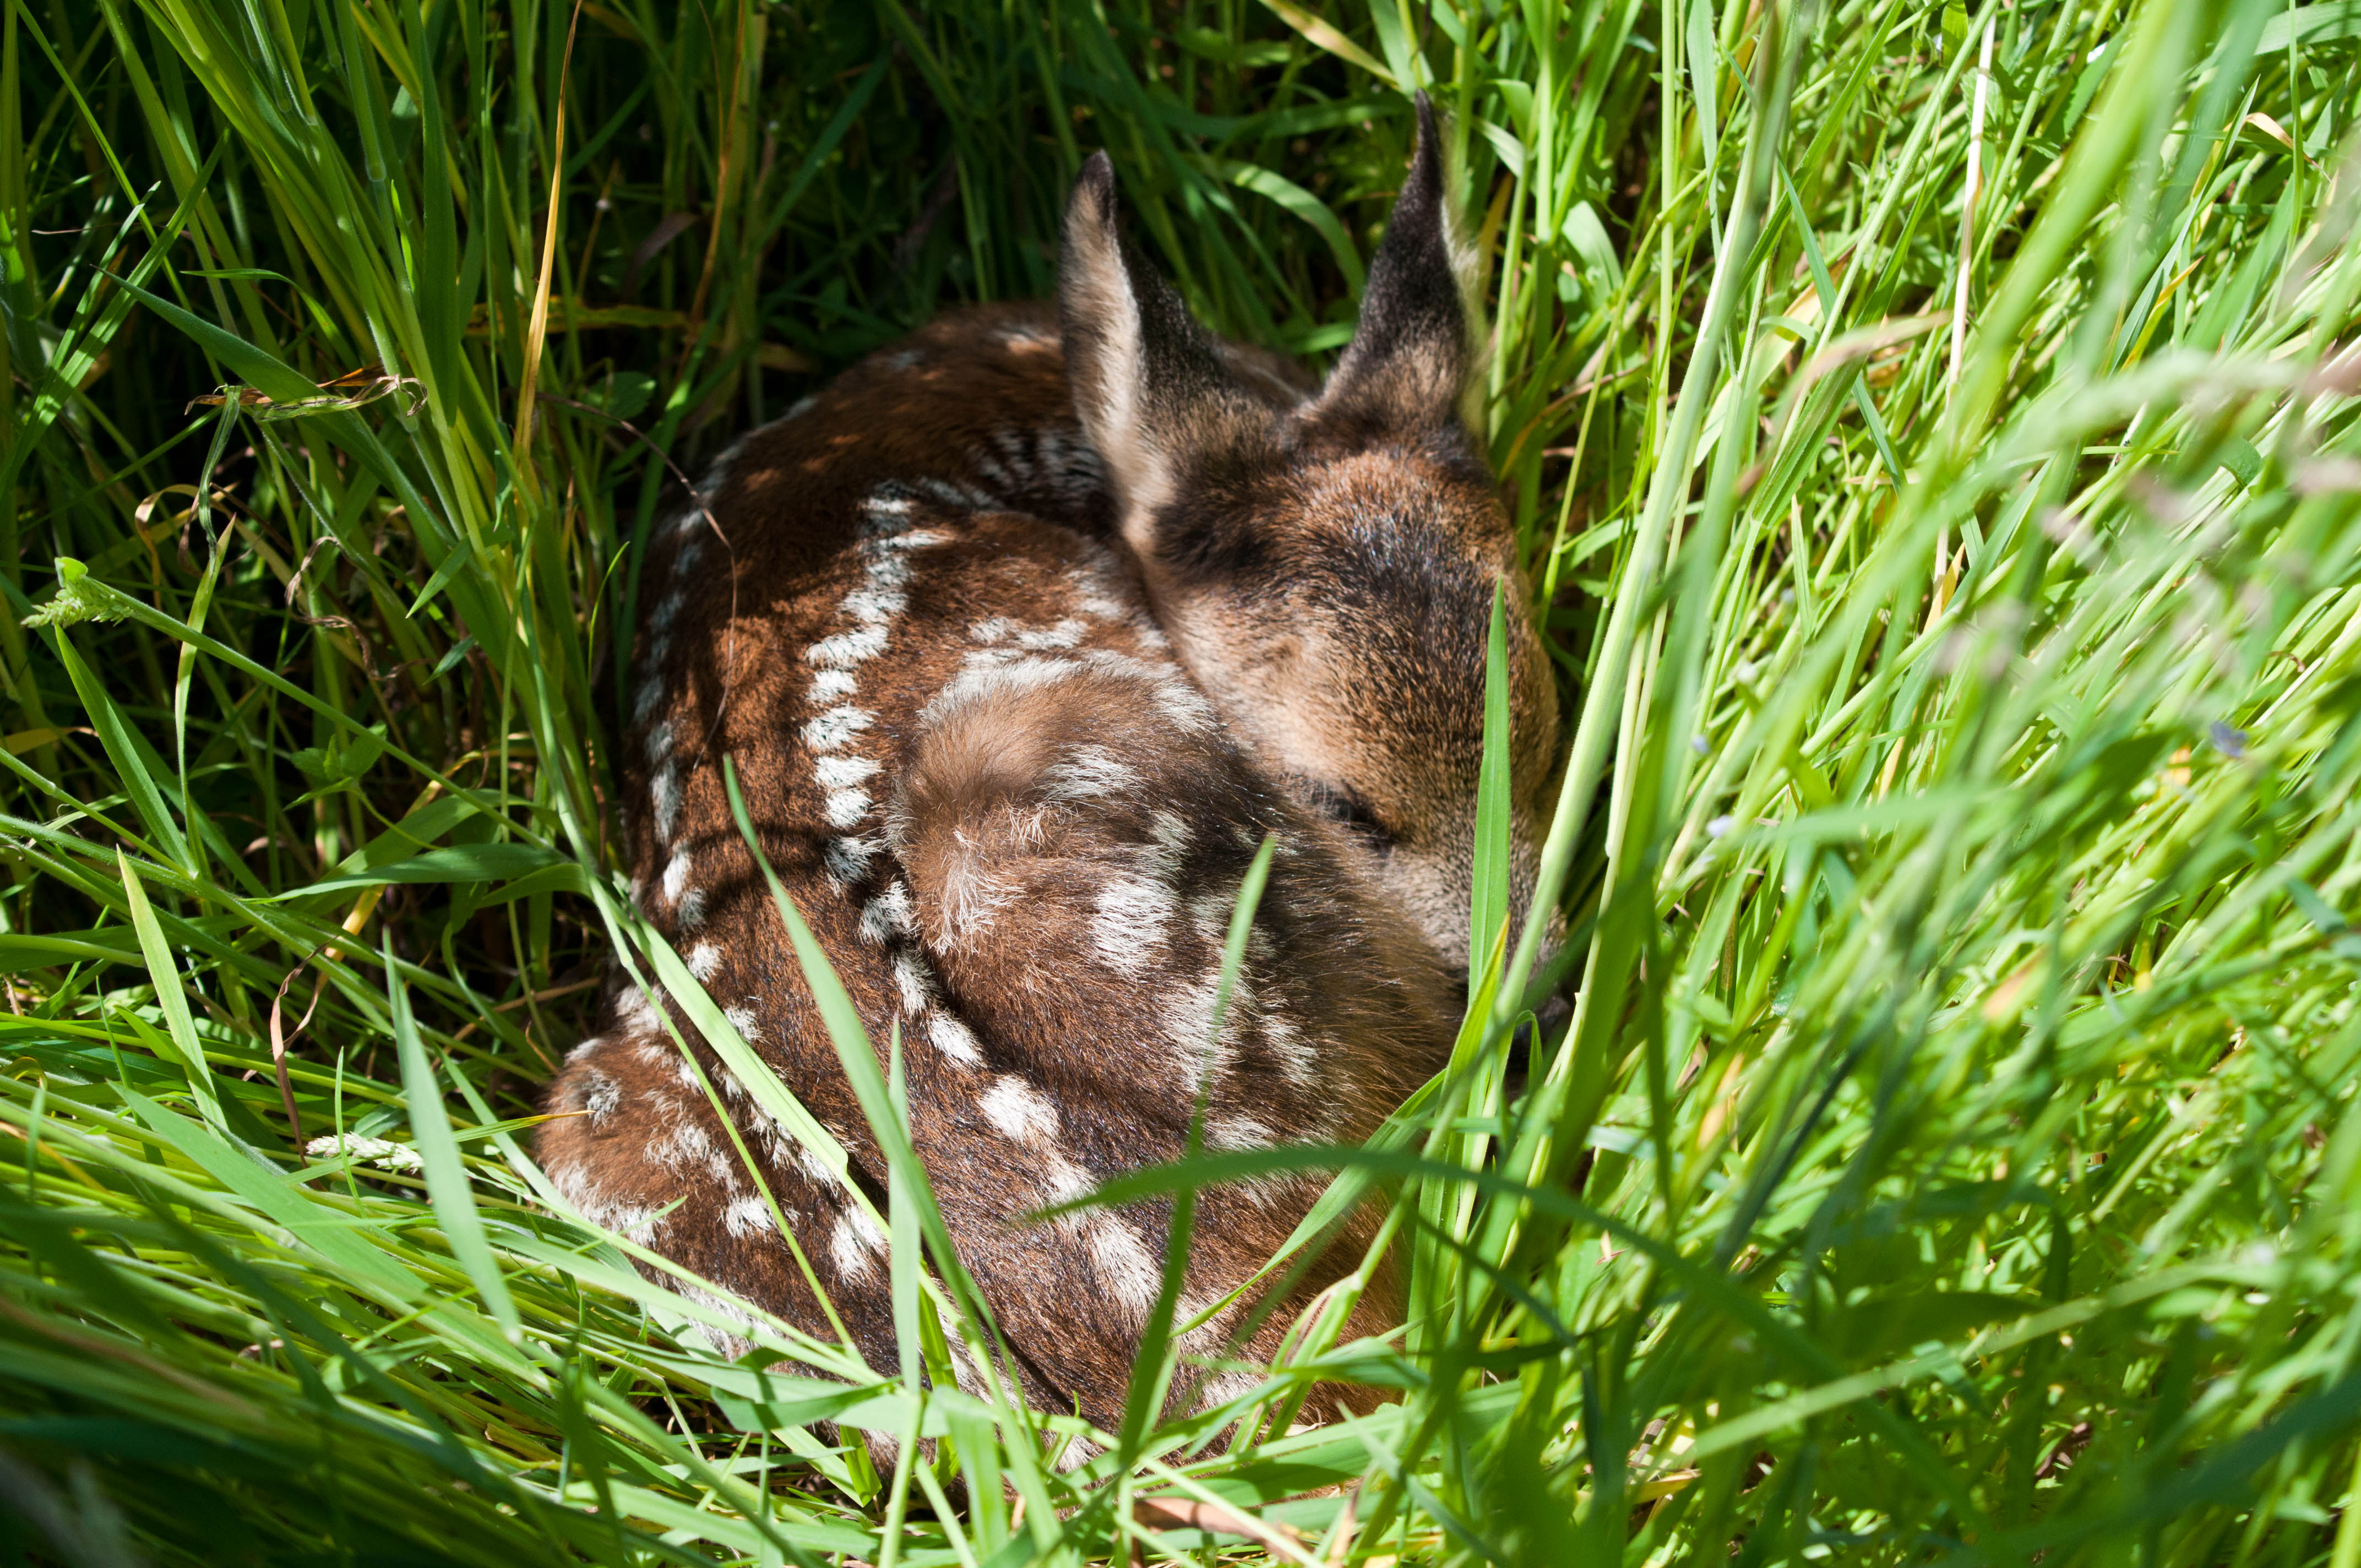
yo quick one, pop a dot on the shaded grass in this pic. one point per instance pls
(1951, 1156)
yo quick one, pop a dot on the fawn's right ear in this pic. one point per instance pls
(1408, 366)
(1149, 385)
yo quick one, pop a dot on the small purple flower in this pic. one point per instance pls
(2228, 740)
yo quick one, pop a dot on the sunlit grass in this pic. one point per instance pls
(1951, 1158)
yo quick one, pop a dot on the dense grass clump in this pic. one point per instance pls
(1933, 433)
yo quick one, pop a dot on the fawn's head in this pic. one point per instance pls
(1325, 563)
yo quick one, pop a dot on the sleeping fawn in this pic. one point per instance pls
(1024, 635)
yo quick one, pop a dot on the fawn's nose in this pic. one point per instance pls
(1552, 1015)
(1547, 1028)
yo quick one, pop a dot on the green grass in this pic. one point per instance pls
(1953, 1158)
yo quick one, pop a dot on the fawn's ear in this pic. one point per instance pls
(1408, 360)
(1150, 384)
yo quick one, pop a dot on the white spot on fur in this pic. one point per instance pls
(584, 1051)
(637, 1222)
(831, 685)
(1095, 596)
(847, 649)
(1239, 1133)
(685, 1144)
(1223, 1386)
(667, 609)
(1089, 772)
(914, 539)
(703, 959)
(1065, 634)
(1132, 923)
(665, 791)
(996, 630)
(885, 570)
(748, 1217)
(1209, 917)
(1189, 1025)
(984, 677)
(916, 987)
(1127, 1269)
(846, 807)
(1019, 1112)
(659, 742)
(831, 729)
(888, 914)
(843, 773)
(691, 914)
(875, 606)
(953, 1038)
(1062, 1182)
(676, 876)
(1296, 1058)
(601, 1095)
(648, 698)
(855, 1244)
(742, 1019)
(846, 860)
(637, 1013)
(580, 1188)
(718, 474)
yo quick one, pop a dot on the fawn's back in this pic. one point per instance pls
(1014, 695)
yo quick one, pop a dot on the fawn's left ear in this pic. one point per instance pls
(1409, 358)
(1149, 385)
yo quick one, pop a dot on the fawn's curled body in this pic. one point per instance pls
(1012, 742)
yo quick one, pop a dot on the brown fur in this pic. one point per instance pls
(1325, 567)
(1017, 815)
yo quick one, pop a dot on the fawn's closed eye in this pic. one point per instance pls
(1341, 802)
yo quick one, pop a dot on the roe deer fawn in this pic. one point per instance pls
(1023, 635)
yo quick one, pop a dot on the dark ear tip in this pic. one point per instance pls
(1427, 157)
(1096, 182)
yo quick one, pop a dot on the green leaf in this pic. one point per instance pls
(2328, 20)
(438, 1151)
(1488, 913)
(453, 863)
(1602, 269)
(166, 974)
(136, 763)
(1305, 205)
(624, 395)
(335, 1236)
